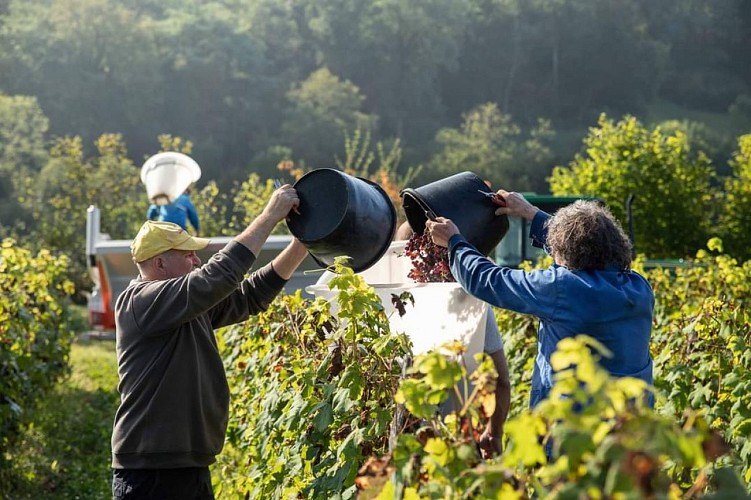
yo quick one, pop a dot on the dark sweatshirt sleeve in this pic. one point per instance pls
(254, 295)
(163, 305)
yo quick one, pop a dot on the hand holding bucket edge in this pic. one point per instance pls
(282, 201)
(441, 230)
(496, 198)
(279, 184)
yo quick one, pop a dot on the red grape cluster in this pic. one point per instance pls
(430, 262)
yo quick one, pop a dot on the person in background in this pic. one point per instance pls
(403, 232)
(180, 211)
(490, 440)
(590, 289)
(174, 396)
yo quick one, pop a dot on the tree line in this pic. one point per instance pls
(252, 82)
(401, 92)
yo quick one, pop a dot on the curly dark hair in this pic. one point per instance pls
(586, 236)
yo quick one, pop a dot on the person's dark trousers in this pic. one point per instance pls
(162, 484)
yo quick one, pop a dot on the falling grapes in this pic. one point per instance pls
(430, 262)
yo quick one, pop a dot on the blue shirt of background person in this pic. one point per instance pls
(181, 211)
(589, 290)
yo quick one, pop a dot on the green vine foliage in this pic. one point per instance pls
(700, 342)
(604, 443)
(313, 394)
(36, 331)
(700, 345)
(438, 451)
(316, 399)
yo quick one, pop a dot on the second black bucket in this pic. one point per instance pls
(458, 198)
(342, 215)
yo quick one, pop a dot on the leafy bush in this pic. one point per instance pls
(65, 452)
(57, 199)
(700, 344)
(735, 221)
(22, 152)
(491, 145)
(674, 200)
(36, 330)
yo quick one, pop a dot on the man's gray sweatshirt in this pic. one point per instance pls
(174, 397)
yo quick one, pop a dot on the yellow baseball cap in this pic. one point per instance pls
(157, 237)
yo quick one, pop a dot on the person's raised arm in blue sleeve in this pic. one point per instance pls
(515, 205)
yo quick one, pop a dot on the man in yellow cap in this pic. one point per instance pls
(174, 395)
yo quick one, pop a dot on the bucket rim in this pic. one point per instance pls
(422, 202)
(392, 212)
(338, 221)
(417, 226)
(179, 158)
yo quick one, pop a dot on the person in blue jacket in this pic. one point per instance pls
(590, 289)
(181, 211)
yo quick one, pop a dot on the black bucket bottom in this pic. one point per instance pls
(342, 215)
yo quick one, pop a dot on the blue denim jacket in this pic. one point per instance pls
(613, 306)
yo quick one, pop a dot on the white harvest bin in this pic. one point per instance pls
(442, 312)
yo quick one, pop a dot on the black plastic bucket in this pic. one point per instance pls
(342, 215)
(457, 198)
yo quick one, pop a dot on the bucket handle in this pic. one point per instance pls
(425, 208)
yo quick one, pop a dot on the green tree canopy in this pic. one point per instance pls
(59, 195)
(491, 145)
(395, 52)
(23, 127)
(322, 109)
(218, 71)
(672, 185)
(735, 222)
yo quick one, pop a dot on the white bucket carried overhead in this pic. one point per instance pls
(169, 174)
